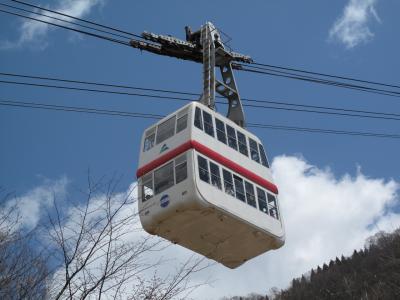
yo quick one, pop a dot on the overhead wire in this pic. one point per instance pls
(64, 21)
(333, 82)
(292, 107)
(328, 131)
(76, 18)
(290, 104)
(125, 43)
(326, 75)
(46, 78)
(44, 106)
(95, 90)
(263, 70)
(319, 81)
(255, 67)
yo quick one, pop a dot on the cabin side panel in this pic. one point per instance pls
(221, 188)
(167, 191)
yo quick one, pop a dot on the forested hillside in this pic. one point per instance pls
(372, 273)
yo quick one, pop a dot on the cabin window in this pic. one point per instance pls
(165, 130)
(232, 142)
(273, 210)
(242, 143)
(262, 201)
(164, 178)
(215, 176)
(147, 187)
(250, 197)
(234, 185)
(228, 183)
(197, 119)
(239, 188)
(274, 213)
(254, 151)
(203, 169)
(264, 159)
(180, 169)
(149, 139)
(208, 123)
(181, 122)
(221, 134)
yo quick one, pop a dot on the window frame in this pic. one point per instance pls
(272, 199)
(171, 172)
(179, 165)
(208, 125)
(198, 118)
(254, 149)
(207, 172)
(226, 173)
(143, 187)
(150, 132)
(263, 156)
(185, 117)
(246, 150)
(249, 190)
(239, 189)
(262, 203)
(167, 136)
(215, 175)
(221, 134)
(230, 136)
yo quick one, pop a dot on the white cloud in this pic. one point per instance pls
(32, 205)
(351, 28)
(34, 33)
(324, 217)
(72, 220)
(131, 237)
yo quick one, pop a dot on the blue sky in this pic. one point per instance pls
(356, 38)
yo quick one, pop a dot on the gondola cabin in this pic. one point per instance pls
(205, 184)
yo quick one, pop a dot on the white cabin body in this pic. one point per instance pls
(205, 184)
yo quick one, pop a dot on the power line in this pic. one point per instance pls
(78, 109)
(64, 21)
(96, 90)
(290, 104)
(284, 74)
(339, 83)
(328, 131)
(97, 84)
(78, 19)
(69, 28)
(329, 108)
(270, 69)
(324, 112)
(294, 107)
(320, 81)
(327, 75)
(33, 105)
(188, 100)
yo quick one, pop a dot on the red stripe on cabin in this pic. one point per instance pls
(163, 159)
(235, 167)
(214, 156)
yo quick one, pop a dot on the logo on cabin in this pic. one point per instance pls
(164, 148)
(164, 201)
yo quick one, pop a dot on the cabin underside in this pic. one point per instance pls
(216, 235)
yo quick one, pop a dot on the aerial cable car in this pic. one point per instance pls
(205, 181)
